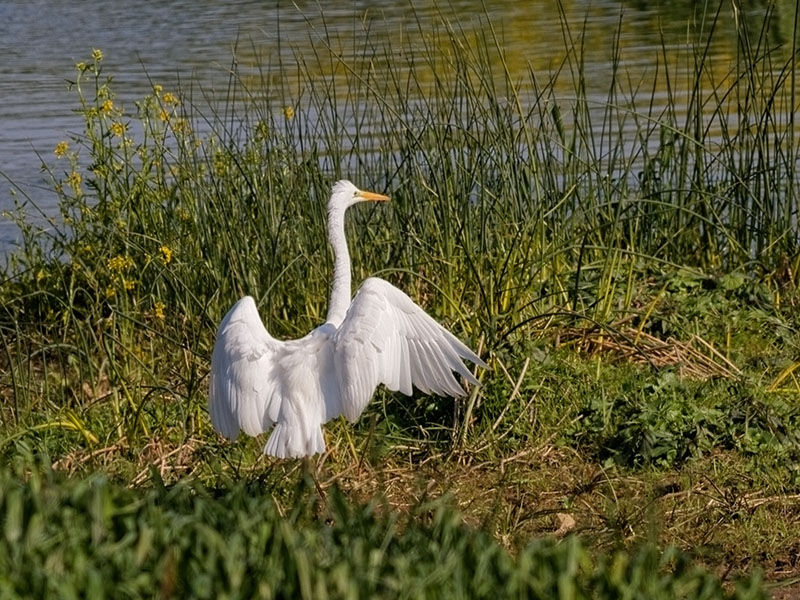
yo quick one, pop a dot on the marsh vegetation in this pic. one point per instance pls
(628, 270)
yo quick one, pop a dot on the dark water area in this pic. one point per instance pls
(191, 44)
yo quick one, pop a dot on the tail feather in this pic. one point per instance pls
(288, 441)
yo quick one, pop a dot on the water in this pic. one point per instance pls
(191, 42)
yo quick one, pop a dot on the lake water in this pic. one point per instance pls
(191, 42)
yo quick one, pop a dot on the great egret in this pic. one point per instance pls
(297, 385)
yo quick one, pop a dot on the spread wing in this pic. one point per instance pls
(386, 338)
(244, 389)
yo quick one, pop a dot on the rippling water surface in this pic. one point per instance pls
(191, 42)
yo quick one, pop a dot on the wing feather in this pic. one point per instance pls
(405, 386)
(386, 338)
(244, 390)
(420, 378)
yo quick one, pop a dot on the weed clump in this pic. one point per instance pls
(662, 420)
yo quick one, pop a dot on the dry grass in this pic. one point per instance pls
(694, 358)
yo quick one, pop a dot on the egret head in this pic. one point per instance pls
(344, 194)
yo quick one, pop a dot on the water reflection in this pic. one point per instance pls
(189, 43)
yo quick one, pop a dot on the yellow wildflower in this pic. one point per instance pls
(157, 89)
(97, 54)
(170, 98)
(129, 284)
(119, 263)
(118, 129)
(158, 310)
(110, 292)
(108, 106)
(75, 179)
(163, 115)
(61, 148)
(166, 254)
(181, 126)
(288, 112)
(81, 66)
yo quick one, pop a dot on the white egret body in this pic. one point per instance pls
(297, 385)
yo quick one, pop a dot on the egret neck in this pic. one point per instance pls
(341, 291)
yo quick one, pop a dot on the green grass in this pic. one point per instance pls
(90, 538)
(637, 307)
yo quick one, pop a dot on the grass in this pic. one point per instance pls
(631, 282)
(90, 538)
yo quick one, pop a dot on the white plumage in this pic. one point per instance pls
(382, 336)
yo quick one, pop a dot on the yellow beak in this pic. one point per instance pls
(372, 196)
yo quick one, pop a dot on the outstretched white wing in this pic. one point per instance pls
(244, 388)
(386, 338)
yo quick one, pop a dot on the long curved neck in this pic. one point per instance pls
(340, 292)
